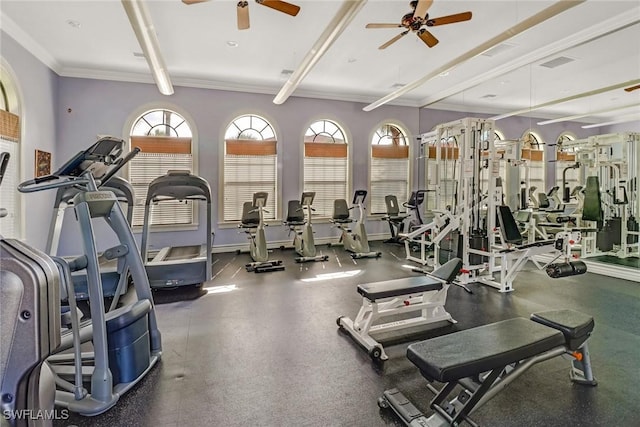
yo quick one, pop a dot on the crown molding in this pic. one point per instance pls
(203, 83)
(9, 26)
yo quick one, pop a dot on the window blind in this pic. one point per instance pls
(9, 196)
(325, 172)
(388, 176)
(245, 175)
(146, 167)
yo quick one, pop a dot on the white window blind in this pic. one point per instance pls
(245, 175)
(9, 196)
(536, 176)
(327, 176)
(143, 169)
(388, 176)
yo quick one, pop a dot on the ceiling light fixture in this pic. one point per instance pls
(145, 33)
(443, 74)
(579, 116)
(340, 21)
(232, 43)
(613, 122)
(568, 98)
(532, 21)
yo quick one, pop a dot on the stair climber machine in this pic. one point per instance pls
(299, 222)
(115, 278)
(85, 368)
(355, 241)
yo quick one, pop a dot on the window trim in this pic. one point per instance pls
(542, 145)
(15, 98)
(221, 223)
(409, 141)
(126, 135)
(348, 138)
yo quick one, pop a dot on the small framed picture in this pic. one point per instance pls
(43, 163)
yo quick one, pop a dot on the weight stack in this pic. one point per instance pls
(481, 242)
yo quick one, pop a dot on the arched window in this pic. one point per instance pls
(165, 140)
(10, 225)
(533, 153)
(326, 160)
(250, 165)
(389, 174)
(565, 157)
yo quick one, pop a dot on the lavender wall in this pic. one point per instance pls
(37, 85)
(104, 107)
(621, 128)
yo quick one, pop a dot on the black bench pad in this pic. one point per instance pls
(575, 326)
(473, 351)
(398, 287)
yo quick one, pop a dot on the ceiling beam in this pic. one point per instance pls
(519, 28)
(142, 25)
(591, 113)
(566, 99)
(614, 122)
(340, 21)
(601, 29)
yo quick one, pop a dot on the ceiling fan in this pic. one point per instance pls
(418, 20)
(243, 9)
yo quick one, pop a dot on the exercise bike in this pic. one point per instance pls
(253, 223)
(353, 241)
(300, 225)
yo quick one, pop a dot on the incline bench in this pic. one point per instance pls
(426, 294)
(484, 360)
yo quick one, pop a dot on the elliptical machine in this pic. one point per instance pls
(353, 241)
(253, 223)
(300, 224)
(126, 341)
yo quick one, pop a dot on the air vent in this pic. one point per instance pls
(398, 85)
(498, 49)
(286, 73)
(561, 60)
(138, 54)
(489, 95)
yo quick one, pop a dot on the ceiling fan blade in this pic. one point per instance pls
(243, 15)
(281, 6)
(449, 19)
(422, 7)
(383, 26)
(193, 1)
(393, 40)
(427, 37)
(632, 88)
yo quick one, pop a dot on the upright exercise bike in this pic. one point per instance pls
(353, 241)
(300, 224)
(253, 224)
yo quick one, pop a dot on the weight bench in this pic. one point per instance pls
(515, 254)
(424, 294)
(482, 361)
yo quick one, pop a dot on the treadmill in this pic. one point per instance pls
(175, 266)
(113, 272)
